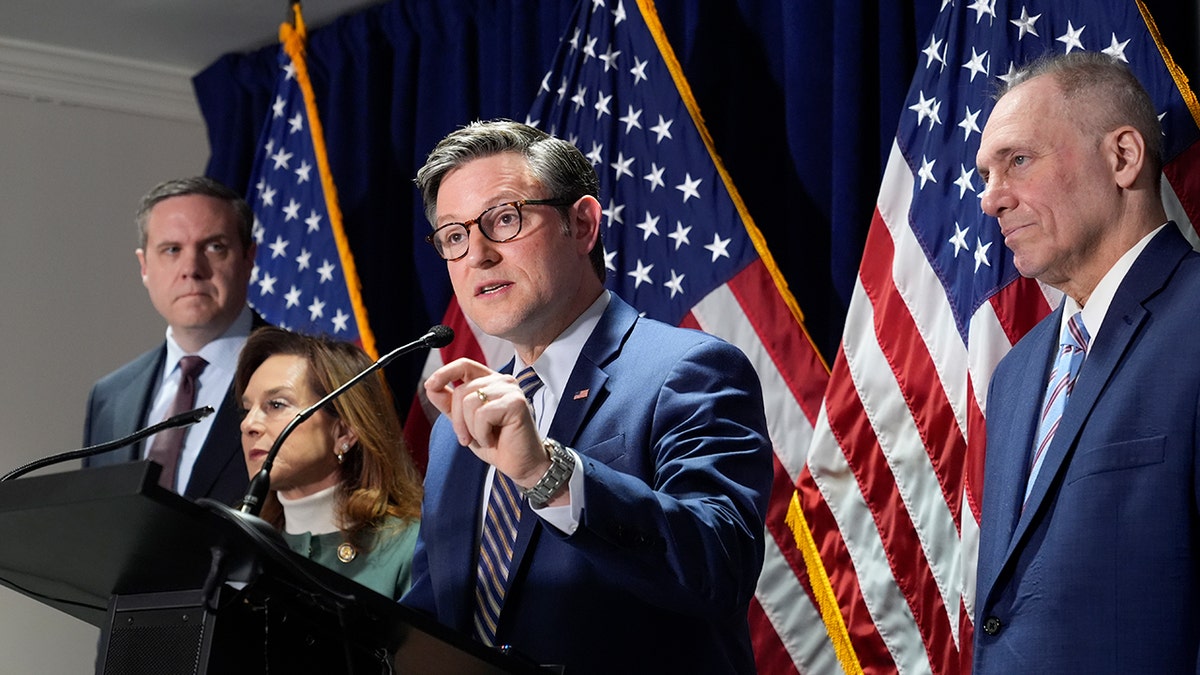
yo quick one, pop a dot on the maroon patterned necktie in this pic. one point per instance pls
(168, 444)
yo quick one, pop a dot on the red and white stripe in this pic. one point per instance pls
(897, 453)
(886, 466)
(748, 312)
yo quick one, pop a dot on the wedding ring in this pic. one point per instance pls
(482, 396)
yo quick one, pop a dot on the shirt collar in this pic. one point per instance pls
(224, 349)
(1102, 296)
(557, 361)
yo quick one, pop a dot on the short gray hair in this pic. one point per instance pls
(1110, 94)
(196, 185)
(558, 165)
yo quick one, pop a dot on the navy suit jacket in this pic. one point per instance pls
(670, 427)
(118, 404)
(1100, 573)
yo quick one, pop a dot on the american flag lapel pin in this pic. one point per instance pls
(582, 393)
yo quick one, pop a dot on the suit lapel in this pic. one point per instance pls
(1011, 426)
(456, 551)
(1022, 433)
(221, 447)
(132, 407)
(586, 388)
(585, 391)
(1124, 319)
(220, 459)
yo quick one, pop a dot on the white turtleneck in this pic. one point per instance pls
(314, 513)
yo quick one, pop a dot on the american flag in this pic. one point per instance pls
(680, 246)
(304, 277)
(894, 475)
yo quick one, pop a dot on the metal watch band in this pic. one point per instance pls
(562, 465)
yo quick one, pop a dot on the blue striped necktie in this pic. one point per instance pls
(1071, 352)
(496, 542)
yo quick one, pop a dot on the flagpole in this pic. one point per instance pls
(294, 37)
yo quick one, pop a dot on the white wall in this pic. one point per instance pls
(80, 140)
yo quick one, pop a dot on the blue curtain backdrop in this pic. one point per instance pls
(802, 98)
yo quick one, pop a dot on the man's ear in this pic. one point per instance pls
(585, 223)
(141, 256)
(1126, 150)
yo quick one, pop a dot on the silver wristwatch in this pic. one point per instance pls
(562, 465)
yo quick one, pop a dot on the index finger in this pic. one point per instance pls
(457, 371)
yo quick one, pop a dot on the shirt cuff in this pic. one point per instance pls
(566, 517)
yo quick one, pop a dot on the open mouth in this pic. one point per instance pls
(491, 288)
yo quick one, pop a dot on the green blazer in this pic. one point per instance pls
(384, 565)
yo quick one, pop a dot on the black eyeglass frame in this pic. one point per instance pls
(517, 204)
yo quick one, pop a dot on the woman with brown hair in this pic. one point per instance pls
(344, 491)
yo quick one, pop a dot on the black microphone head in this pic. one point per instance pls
(190, 416)
(439, 336)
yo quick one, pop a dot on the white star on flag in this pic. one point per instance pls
(891, 493)
(321, 301)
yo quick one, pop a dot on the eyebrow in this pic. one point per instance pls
(224, 238)
(998, 153)
(497, 201)
(275, 391)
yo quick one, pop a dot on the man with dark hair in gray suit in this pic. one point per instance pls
(195, 253)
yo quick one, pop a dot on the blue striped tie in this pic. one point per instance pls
(1072, 350)
(496, 542)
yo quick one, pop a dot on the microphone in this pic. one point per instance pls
(437, 337)
(180, 420)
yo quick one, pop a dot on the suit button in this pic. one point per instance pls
(991, 625)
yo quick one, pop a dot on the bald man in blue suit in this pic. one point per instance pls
(1089, 559)
(641, 455)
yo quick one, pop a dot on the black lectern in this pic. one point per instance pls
(179, 588)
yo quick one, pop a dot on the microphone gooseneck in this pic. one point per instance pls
(435, 338)
(181, 420)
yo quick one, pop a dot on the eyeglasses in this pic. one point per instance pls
(499, 224)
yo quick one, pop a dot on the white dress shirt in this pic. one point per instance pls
(1102, 296)
(554, 367)
(211, 388)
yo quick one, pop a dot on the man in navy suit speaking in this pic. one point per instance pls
(599, 504)
(1089, 556)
